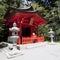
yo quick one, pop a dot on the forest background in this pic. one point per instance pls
(48, 9)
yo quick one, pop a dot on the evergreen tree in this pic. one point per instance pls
(49, 9)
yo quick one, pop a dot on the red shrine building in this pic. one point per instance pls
(26, 20)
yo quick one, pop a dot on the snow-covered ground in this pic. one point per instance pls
(36, 51)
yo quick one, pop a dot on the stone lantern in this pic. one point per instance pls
(14, 31)
(51, 33)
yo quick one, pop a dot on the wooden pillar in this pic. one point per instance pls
(21, 33)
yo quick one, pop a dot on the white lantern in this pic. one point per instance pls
(51, 33)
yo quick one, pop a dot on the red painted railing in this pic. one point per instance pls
(27, 40)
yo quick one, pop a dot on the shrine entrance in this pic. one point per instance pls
(26, 32)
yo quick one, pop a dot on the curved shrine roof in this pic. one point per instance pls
(25, 16)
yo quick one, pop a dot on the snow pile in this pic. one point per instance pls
(36, 51)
